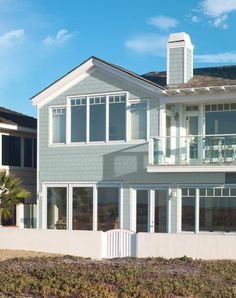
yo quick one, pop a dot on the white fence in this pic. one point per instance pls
(120, 243)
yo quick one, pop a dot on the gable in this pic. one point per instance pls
(87, 69)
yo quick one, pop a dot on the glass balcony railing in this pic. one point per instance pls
(193, 150)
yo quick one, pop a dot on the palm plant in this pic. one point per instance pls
(11, 193)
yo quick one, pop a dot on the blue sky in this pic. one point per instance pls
(40, 40)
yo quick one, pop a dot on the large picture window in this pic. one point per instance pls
(57, 208)
(108, 217)
(82, 208)
(216, 209)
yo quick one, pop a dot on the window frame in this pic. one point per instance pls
(197, 208)
(67, 105)
(69, 192)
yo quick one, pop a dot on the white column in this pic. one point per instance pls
(121, 205)
(151, 151)
(179, 211)
(70, 207)
(169, 211)
(20, 215)
(133, 209)
(95, 208)
(197, 205)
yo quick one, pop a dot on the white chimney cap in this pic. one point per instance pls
(181, 38)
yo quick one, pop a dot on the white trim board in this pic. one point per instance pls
(83, 71)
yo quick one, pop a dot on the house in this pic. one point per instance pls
(18, 156)
(147, 153)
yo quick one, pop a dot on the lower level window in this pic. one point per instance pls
(142, 211)
(82, 208)
(57, 208)
(108, 208)
(216, 212)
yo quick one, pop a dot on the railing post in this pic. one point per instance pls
(151, 151)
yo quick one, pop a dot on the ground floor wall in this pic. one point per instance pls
(94, 244)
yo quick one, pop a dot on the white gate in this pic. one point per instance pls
(119, 244)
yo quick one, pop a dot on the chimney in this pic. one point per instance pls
(179, 59)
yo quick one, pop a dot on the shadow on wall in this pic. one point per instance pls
(126, 164)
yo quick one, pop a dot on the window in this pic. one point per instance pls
(59, 125)
(35, 152)
(108, 217)
(117, 119)
(139, 120)
(82, 208)
(142, 211)
(218, 210)
(188, 209)
(97, 107)
(78, 120)
(11, 151)
(160, 211)
(57, 208)
(220, 118)
(28, 152)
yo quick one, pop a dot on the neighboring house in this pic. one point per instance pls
(18, 156)
(152, 153)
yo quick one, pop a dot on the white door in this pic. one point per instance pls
(193, 140)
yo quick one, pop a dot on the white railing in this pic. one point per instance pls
(193, 150)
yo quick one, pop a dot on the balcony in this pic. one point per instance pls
(195, 153)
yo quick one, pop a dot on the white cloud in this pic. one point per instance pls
(218, 11)
(12, 37)
(195, 19)
(163, 22)
(216, 8)
(153, 44)
(215, 58)
(61, 37)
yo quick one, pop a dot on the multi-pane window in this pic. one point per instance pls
(216, 209)
(97, 108)
(59, 125)
(99, 118)
(139, 120)
(220, 118)
(117, 119)
(78, 120)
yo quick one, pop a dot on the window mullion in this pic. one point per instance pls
(107, 118)
(87, 119)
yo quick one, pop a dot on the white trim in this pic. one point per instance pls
(121, 207)
(82, 72)
(151, 210)
(191, 169)
(197, 210)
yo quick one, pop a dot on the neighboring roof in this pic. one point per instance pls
(202, 77)
(14, 118)
(97, 61)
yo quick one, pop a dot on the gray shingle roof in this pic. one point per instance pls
(202, 77)
(14, 118)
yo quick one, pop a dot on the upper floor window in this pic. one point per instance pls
(98, 118)
(139, 120)
(11, 151)
(101, 118)
(220, 118)
(59, 125)
(19, 151)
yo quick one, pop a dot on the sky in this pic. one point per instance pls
(40, 40)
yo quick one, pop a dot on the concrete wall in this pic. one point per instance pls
(198, 246)
(78, 243)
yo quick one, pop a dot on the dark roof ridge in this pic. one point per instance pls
(9, 111)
